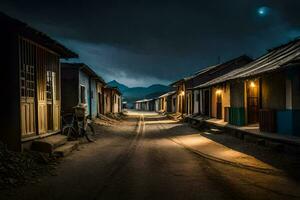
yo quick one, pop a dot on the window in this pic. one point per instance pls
(82, 94)
(49, 84)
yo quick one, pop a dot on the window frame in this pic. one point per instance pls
(83, 99)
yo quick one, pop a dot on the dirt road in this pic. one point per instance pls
(138, 160)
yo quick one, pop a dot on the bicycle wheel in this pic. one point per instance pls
(89, 133)
(70, 132)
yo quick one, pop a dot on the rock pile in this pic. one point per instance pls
(18, 168)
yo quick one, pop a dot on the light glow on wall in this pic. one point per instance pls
(252, 84)
(219, 92)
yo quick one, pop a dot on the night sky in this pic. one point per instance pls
(139, 43)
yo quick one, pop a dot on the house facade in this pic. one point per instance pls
(32, 71)
(81, 85)
(191, 99)
(112, 100)
(146, 105)
(264, 93)
(166, 102)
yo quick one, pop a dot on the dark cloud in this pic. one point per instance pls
(161, 40)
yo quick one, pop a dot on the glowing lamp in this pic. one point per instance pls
(182, 93)
(252, 84)
(218, 92)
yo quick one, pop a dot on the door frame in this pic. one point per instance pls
(252, 112)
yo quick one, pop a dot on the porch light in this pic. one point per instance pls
(252, 84)
(218, 92)
(182, 93)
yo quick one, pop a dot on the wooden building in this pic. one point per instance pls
(31, 83)
(81, 85)
(166, 101)
(192, 99)
(145, 105)
(112, 100)
(266, 92)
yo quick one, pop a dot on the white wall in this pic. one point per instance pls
(116, 99)
(196, 102)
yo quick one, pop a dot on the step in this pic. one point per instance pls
(66, 149)
(48, 144)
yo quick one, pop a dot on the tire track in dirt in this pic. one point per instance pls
(123, 158)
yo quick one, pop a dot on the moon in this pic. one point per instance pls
(263, 11)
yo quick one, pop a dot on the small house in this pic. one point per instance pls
(31, 85)
(191, 99)
(265, 92)
(81, 85)
(112, 100)
(165, 101)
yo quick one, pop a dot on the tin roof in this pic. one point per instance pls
(275, 59)
(213, 71)
(143, 100)
(16, 26)
(84, 68)
(167, 94)
(113, 88)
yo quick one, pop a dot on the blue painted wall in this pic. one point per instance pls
(284, 122)
(94, 98)
(237, 116)
(288, 122)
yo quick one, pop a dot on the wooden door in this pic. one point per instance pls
(41, 91)
(253, 102)
(49, 94)
(219, 106)
(56, 102)
(206, 103)
(27, 101)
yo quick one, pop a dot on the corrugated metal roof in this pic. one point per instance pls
(143, 100)
(86, 68)
(194, 75)
(17, 26)
(167, 94)
(273, 60)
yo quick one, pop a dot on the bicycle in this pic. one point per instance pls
(77, 127)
